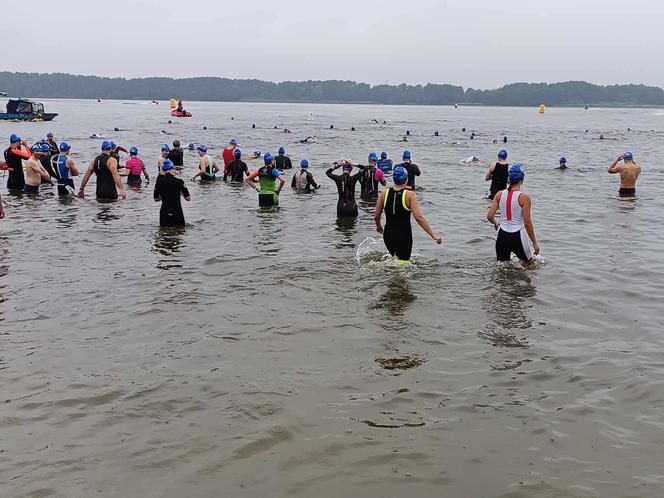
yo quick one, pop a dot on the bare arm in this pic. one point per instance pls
(86, 177)
(250, 180)
(528, 221)
(145, 173)
(614, 168)
(489, 172)
(421, 220)
(201, 168)
(378, 212)
(112, 166)
(72, 167)
(491, 214)
(281, 183)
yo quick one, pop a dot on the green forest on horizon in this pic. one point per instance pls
(570, 93)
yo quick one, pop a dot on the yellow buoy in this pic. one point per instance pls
(174, 104)
(542, 109)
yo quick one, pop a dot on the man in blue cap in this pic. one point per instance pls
(35, 174)
(65, 169)
(52, 144)
(105, 168)
(282, 161)
(168, 190)
(303, 180)
(13, 160)
(629, 174)
(412, 169)
(228, 155)
(371, 177)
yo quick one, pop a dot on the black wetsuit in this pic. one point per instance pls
(48, 166)
(413, 171)
(498, 179)
(169, 189)
(306, 184)
(369, 184)
(105, 184)
(236, 170)
(177, 156)
(53, 149)
(398, 235)
(346, 205)
(16, 178)
(283, 162)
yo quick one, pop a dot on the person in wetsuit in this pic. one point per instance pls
(65, 169)
(268, 175)
(497, 173)
(134, 167)
(346, 205)
(562, 163)
(167, 190)
(398, 203)
(371, 177)
(629, 174)
(105, 168)
(237, 168)
(176, 154)
(384, 164)
(53, 148)
(207, 167)
(303, 181)
(165, 151)
(282, 161)
(13, 161)
(412, 169)
(44, 157)
(227, 154)
(516, 233)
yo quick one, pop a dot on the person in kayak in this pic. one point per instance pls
(13, 160)
(282, 160)
(268, 175)
(346, 205)
(227, 154)
(398, 203)
(384, 164)
(516, 232)
(176, 154)
(303, 181)
(65, 169)
(108, 179)
(134, 167)
(35, 173)
(371, 177)
(168, 189)
(412, 169)
(207, 167)
(497, 173)
(237, 168)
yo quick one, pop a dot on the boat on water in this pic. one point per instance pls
(25, 110)
(180, 114)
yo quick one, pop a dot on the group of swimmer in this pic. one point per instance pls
(47, 161)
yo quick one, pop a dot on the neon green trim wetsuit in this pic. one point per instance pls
(267, 180)
(398, 234)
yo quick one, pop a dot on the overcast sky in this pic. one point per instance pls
(473, 43)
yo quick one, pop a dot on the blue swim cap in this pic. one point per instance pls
(373, 157)
(502, 154)
(191, 146)
(165, 148)
(233, 141)
(257, 153)
(383, 155)
(45, 148)
(64, 147)
(406, 154)
(628, 155)
(112, 144)
(304, 164)
(202, 148)
(347, 167)
(49, 134)
(282, 150)
(42, 141)
(237, 152)
(400, 175)
(106, 145)
(516, 174)
(168, 165)
(36, 148)
(267, 158)
(133, 151)
(14, 139)
(563, 160)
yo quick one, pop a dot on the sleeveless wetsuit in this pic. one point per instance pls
(105, 183)
(169, 189)
(283, 162)
(236, 170)
(346, 205)
(65, 183)
(385, 165)
(369, 183)
(209, 175)
(512, 236)
(14, 160)
(303, 181)
(398, 235)
(498, 179)
(267, 179)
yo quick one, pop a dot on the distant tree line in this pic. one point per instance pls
(60, 85)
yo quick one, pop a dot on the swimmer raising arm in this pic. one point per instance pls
(614, 168)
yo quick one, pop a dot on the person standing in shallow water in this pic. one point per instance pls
(398, 203)
(516, 232)
(268, 175)
(497, 173)
(168, 189)
(629, 174)
(346, 205)
(108, 178)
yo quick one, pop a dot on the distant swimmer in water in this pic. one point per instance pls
(303, 181)
(168, 189)
(65, 169)
(286, 130)
(404, 139)
(515, 230)
(629, 174)
(34, 171)
(435, 133)
(472, 160)
(384, 164)
(497, 173)
(352, 128)
(96, 135)
(237, 168)
(207, 167)
(255, 155)
(398, 203)
(413, 169)
(105, 168)
(134, 167)
(308, 140)
(505, 139)
(165, 151)
(407, 133)
(268, 176)
(562, 163)
(282, 161)
(601, 137)
(331, 127)
(371, 177)
(346, 205)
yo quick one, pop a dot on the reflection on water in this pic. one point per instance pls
(397, 298)
(107, 212)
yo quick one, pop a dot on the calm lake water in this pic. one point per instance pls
(272, 353)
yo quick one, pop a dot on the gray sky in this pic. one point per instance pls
(474, 43)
